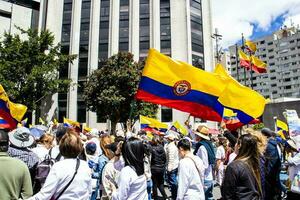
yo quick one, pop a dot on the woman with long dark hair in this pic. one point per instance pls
(242, 177)
(132, 181)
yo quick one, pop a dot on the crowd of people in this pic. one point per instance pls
(66, 164)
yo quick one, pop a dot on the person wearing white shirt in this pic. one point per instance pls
(220, 157)
(132, 183)
(63, 171)
(172, 163)
(294, 163)
(190, 173)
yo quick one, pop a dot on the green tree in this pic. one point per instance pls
(110, 90)
(29, 67)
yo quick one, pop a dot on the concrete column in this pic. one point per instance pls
(113, 46)
(207, 32)
(73, 67)
(179, 34)
(134, 30)
(42, 15)
(155, 24)
(54, 24)
(93, 50)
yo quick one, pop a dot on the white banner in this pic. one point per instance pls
(293, 122)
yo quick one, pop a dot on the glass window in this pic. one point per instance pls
(104, 29)
(166, 114)
(81, 111)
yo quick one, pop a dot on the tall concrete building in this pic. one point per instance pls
(281, 52)
(97, 29)
(22, 13)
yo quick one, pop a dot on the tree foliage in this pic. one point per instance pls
(110, 90)
(29, 67)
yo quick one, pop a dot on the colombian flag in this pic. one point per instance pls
(251, 46)
(4, 124)
(148, 123)
(244, 60)
(203, 94)
(177, 127)
(69, 123)
(258, 65)
(282, 128)
(10, 112)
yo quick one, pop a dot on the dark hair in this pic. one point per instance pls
(133, 154)
(156, 140)
(268, 132)
(4, 140)
(184, 144)
(60, 132)
(70, 145)
(249, 154)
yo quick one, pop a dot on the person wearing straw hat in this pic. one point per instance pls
(15, 179)
(204, 149)
(20, 141)
(172, 162)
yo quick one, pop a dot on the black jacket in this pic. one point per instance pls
(239, 183)
(273, 167)
(158, 159)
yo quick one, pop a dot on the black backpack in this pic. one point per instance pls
(43, 169)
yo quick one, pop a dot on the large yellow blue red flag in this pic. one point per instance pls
(181, 86)
(10, 113)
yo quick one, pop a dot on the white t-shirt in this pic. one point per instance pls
(41, 151)
(60, 175)
(190, 178)
(131, 186)
(220, 153)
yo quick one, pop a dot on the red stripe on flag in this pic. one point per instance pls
(195, 109)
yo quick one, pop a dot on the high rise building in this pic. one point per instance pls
(98, 29)
(281, 52)
(22, 13)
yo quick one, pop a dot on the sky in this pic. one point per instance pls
(255, 18)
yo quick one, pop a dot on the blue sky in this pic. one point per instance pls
(275, 25)
(255, 18)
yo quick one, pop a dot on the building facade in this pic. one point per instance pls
(98, 29)
(22, 13)
(281, 52)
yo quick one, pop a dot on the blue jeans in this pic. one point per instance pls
(208, 189)
(172, 180)
(149, 188)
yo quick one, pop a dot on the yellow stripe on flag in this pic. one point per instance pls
(251, 45)
(152, 122)
(17, 111)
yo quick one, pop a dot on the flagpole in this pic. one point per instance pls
(251, 72)
(243, 49)
(237, 62)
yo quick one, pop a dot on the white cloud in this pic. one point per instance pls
(233, 17)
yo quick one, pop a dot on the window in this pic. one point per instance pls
(262, 42)
(104, 29)
(197, 61)
(166, 114)
(124, 25)
(271, 57)
(270, 43)
(270, 50)
(165, 26)
(81, 111)
(65, 42)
